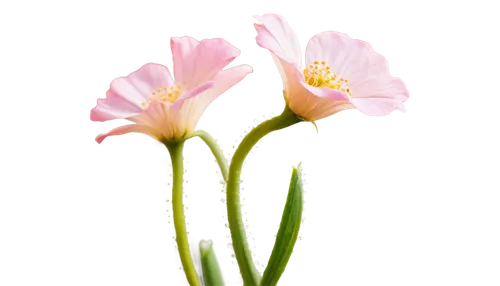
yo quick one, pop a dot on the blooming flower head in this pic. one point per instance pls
(169, 109)
(339, 73)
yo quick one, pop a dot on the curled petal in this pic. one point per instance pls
(183, 49)
(276, 35)
(192, 93)
(113, 107)
(226, 80)
(127, 129)
(126, 94)
(197, 62)
(291, 77)
(192, 108)
(212, 56)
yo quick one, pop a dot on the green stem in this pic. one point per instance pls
(214, 147)
(242, 251)
(175, 149)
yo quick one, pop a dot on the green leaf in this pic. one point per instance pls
(211, 271)
(288, 231)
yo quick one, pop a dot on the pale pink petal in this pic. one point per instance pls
(308, 102)
(292, 77)
(127, 129)
(311, 107)
(226, 80)
(325, 92)
(166, 120)
(276, 35)
(126, 94)
(374, 90)
(331, 47)
(161, 117)
(192, 93)
(148, 77)
(383, 86)
(182, 50)
(212, 56)
(293, 82)
(113, 107)
(326, 110)
(193, 107)
(377, 106)
(352, 59)
(380, 97)
(198, 63)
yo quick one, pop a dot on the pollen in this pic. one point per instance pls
(163, 94)
(319, 74)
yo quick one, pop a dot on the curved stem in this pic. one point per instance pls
(242, 251)
(175, 149)
(214, 147)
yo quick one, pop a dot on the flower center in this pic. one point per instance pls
(164, 94)
(319, 74)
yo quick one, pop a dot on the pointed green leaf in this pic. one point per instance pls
(288, 231)
(211, 271)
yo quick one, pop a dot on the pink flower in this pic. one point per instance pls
(168, 109)
(340, 72)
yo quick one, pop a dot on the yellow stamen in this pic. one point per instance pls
(164, 94)
(319, 74)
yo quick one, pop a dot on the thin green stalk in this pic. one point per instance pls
(211, 270)
(175, 149)
(214, 147)
(251, 277)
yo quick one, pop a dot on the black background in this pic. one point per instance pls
(365, 206)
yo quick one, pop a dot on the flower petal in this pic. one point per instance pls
(113, 107)
(328, 108)
(127, 129)
(352, 59)
(276, 35)
(192, 93)
(377, 106)
(212, 56)
(190, 111)
(325, 92)
(380, 97)
(226, 79)
(198, 62)
(374, 90)
(182, 49)
(161, 117)
(292, 78)
(308, 102)
(125, 95)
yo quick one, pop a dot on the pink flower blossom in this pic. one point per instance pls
(340, 72)
(168, 109)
